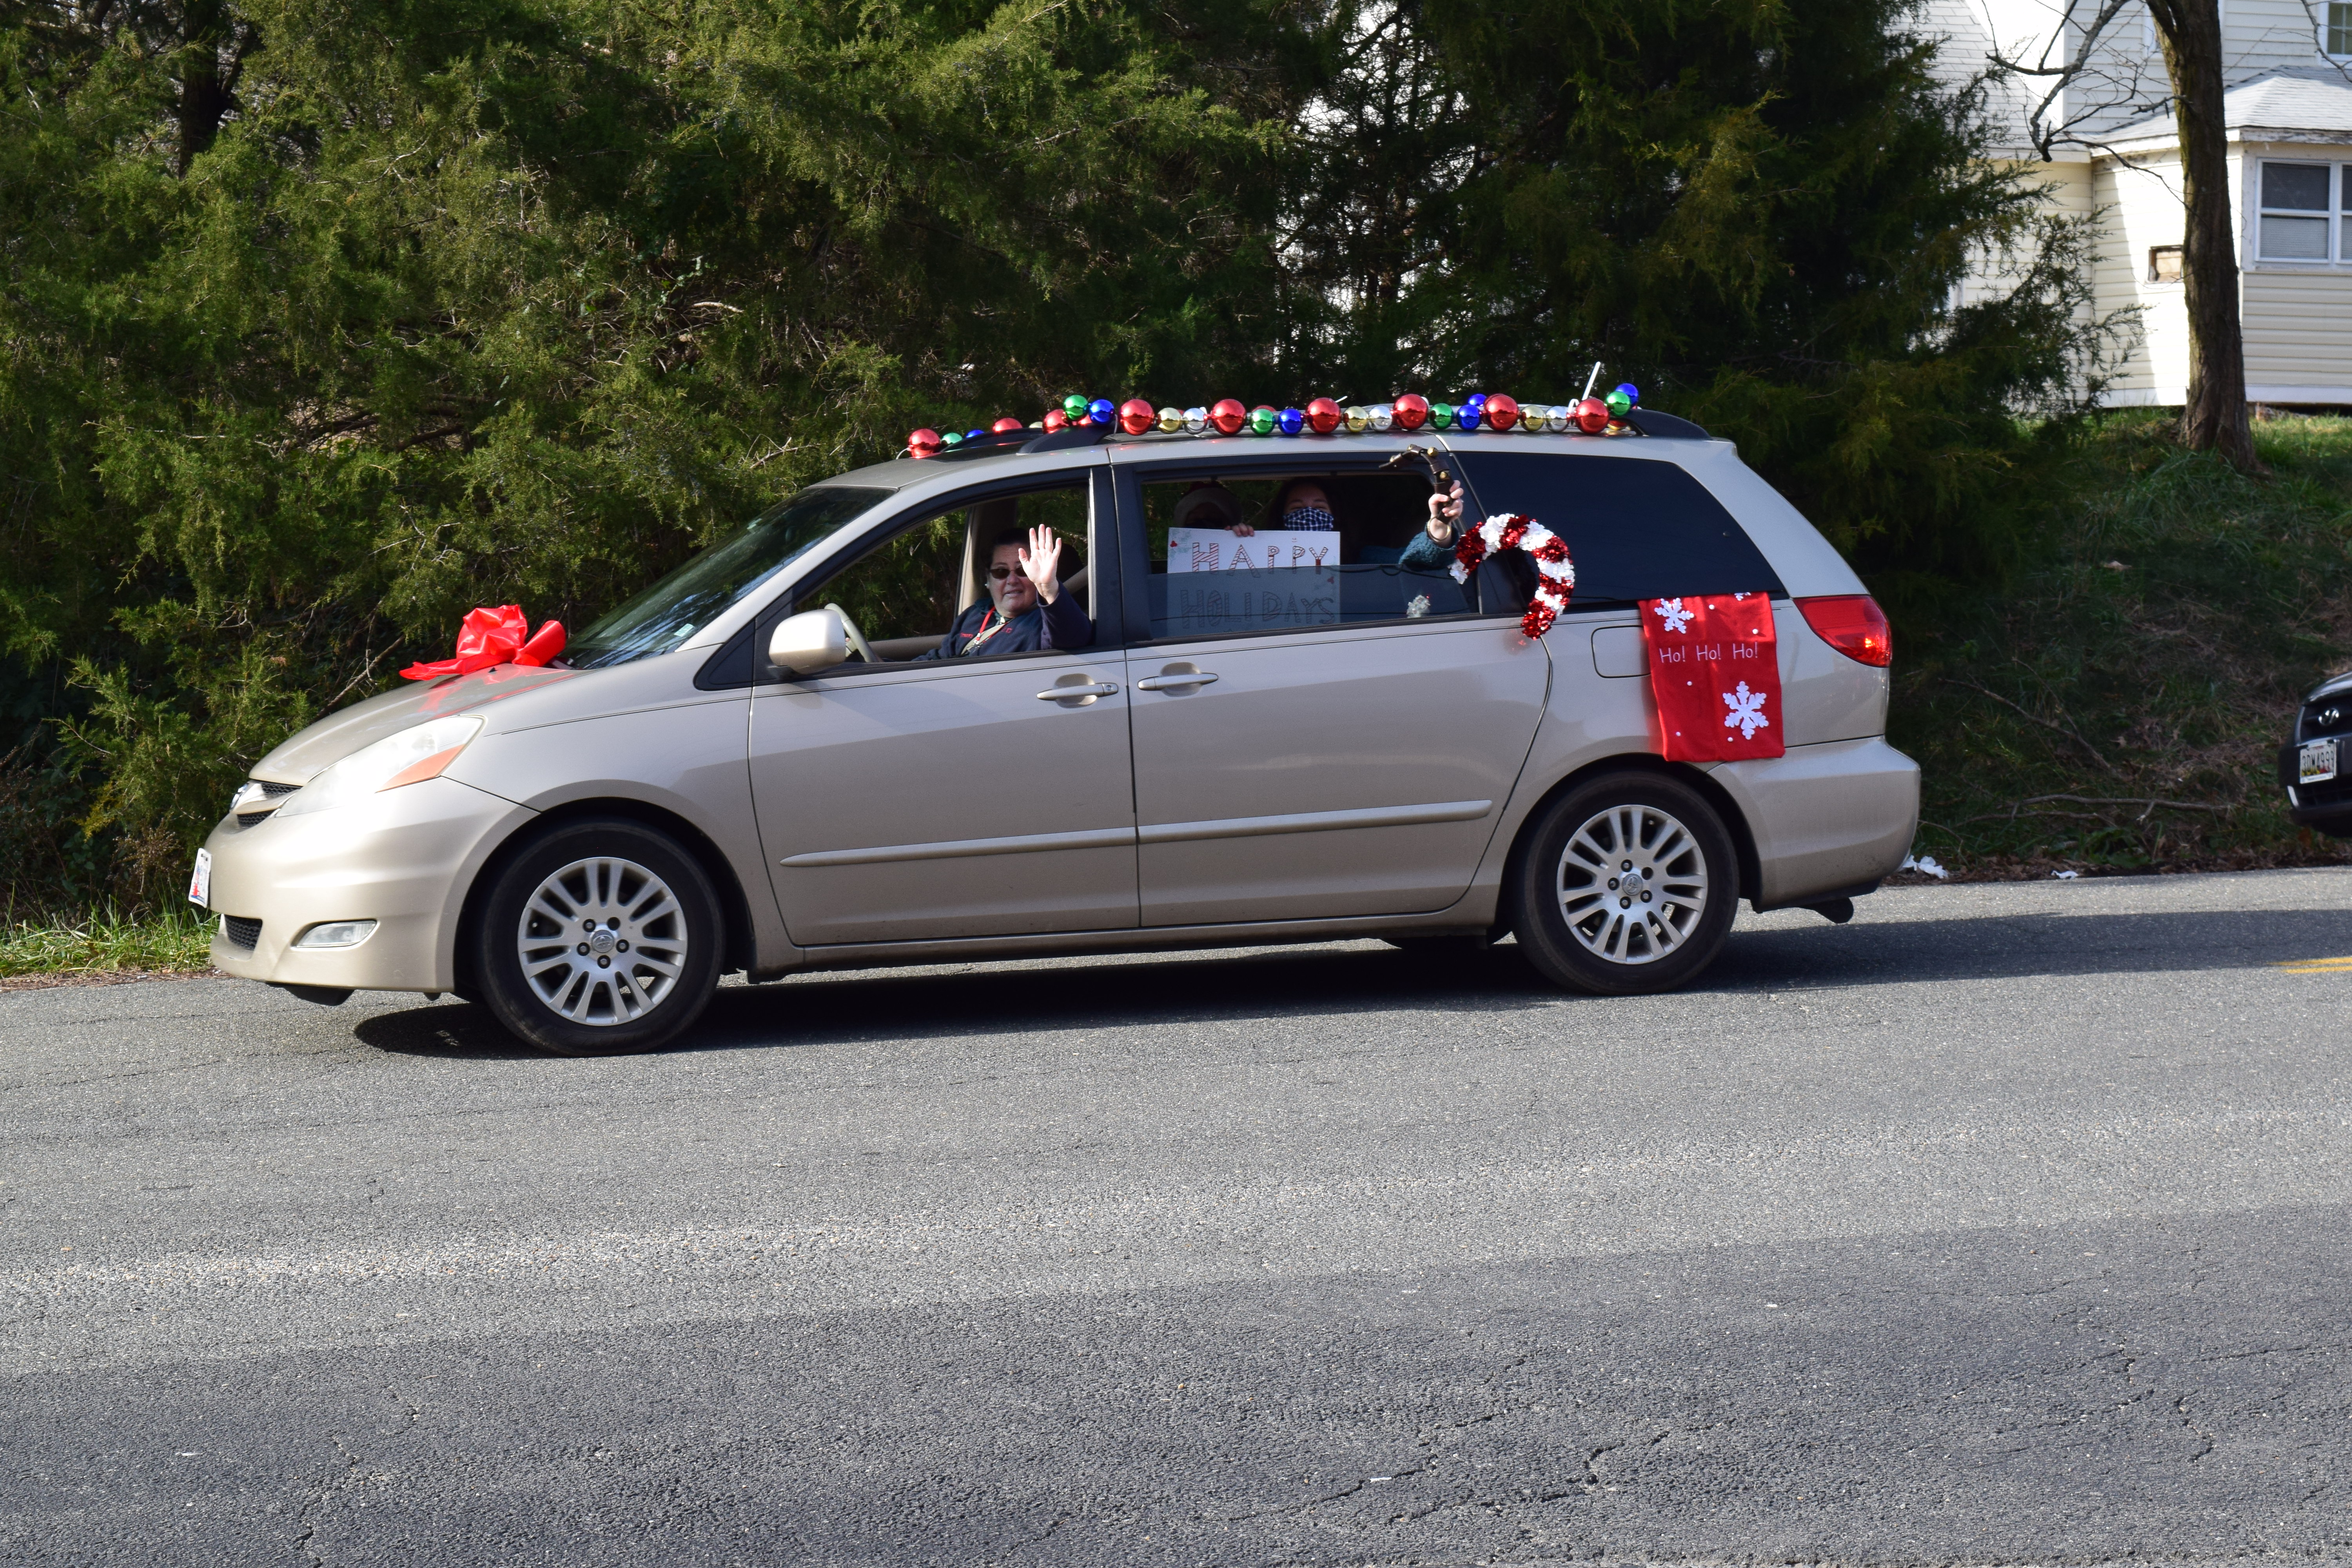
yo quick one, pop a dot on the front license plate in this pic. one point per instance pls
(2318, 761)
(199, 886)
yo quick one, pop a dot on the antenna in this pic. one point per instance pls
(1593, 377)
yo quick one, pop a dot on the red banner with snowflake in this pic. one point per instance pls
(1714, 669)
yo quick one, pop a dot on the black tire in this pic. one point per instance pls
(660, 955)
(1561, 891)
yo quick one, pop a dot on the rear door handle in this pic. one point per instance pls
(1063, 693)
(1174, 682)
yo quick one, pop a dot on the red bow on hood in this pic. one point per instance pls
(493, 637)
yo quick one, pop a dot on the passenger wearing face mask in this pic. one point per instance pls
(1026, 608)
(1302, 505)
(1306, 506)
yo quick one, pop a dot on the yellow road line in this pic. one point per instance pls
(2315, 965)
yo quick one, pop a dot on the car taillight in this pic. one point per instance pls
(1854, 624)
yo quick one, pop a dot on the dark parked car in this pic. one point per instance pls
(2314, 762)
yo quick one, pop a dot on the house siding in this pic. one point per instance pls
(2297, 317)
(2140, 202)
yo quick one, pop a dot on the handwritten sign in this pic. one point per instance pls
(1218, 582)
(1214, 550)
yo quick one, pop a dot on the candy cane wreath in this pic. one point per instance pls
(1556, 576)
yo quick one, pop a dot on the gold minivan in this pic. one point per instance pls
(819, 744)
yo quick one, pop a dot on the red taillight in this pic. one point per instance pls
(1854, 624)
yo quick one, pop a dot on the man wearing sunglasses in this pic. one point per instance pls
(1026, 609)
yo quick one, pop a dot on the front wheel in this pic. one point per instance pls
(598, 938)
(1627, 885)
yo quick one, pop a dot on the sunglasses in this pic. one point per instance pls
(999, 573)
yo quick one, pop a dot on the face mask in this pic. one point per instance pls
(1310, 520)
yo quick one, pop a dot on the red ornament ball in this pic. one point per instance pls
(1005, 424)
(1056, 420)
(1227, 416)
(923, 443)
(1323, 416)
(1590, 415)
(1136, 417)
(1412, 411)
(1498, 412)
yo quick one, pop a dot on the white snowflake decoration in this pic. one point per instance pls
(1418, 607)
(1677, 619)
(1746, 711)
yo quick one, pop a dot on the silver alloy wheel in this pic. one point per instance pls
(601, 942)
(1632, 884)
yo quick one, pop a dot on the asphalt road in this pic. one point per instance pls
(2005, 1225)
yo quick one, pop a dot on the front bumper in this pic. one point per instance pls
(2326, 807)
(403, 858)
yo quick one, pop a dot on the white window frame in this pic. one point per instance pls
(2334, 215)
(2328, 24)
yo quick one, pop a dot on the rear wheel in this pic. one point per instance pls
(1628, 886)
(599, 938)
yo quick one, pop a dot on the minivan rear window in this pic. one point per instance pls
(1635, 529)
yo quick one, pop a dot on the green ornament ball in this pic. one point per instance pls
(1619, 404)
(1075, 406)
(1440, 414)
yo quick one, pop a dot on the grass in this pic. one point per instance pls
(2117, 704)
(168, 943)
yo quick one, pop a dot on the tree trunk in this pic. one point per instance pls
(2215, 417)
(204, 95)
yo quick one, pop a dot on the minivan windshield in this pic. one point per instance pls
(666, 614)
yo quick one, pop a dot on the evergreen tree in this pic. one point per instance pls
(1759, 213)
(330, 318)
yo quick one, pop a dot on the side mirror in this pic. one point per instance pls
(814, 639)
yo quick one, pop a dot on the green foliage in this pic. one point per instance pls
(2149, 662)
(467, 300)
(326, 320)
(1755, 210)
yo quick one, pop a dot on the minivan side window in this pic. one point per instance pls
(922, 591)
(1252, 551)
(1636, 528)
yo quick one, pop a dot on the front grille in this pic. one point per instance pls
(273, 794)
(241, 933)
(2325, 716)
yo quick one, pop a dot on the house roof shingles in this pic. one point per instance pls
(2311, 103)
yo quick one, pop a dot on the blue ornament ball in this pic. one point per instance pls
(1466, 414)
(1102, 410)
(1633, 393)
(1290, 421)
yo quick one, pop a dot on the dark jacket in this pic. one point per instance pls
(1426, 555)
(1060, 625)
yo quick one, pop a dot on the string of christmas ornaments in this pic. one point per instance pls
(1321, 416)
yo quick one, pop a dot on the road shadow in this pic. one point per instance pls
(888, 1005)
(2024, 946)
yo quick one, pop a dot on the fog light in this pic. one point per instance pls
(336, 933)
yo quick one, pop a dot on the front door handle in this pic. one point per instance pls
(1087, 692)
(1178, 681)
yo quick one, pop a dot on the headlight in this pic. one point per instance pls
(410, 757)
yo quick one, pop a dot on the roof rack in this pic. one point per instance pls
(1651, 422)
